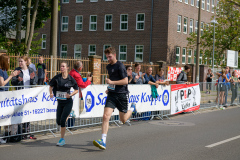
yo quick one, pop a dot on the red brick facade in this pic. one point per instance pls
(165, 37)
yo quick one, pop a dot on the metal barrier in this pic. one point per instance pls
(208, 100)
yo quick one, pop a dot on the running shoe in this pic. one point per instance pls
(61, 142)
(100, 144)
(134, 113)
(2, 141)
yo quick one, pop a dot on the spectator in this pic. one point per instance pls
(137, 75)
(234, 86)
(75, 73)
(31, 65)
(209, 78)
(160, 77)
(221, 85)
(182, 77)
(149, 78)
(130, 76)
(41, 71)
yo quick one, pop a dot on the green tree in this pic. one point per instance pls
(227, 32)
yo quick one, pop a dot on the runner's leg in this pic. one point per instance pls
(106, 116)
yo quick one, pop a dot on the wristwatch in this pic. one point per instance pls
(70, 96)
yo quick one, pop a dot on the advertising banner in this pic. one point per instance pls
(28, 105)
(94, 97)
(185, 98)
(173, 72)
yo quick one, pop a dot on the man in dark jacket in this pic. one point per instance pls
(182, 77)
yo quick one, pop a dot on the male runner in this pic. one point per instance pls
(117, 95)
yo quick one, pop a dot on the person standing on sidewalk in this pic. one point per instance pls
(41, 71)
(209, 78)
(117, 94)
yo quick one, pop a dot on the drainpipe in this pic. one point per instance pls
(150, 52)
(59, 29)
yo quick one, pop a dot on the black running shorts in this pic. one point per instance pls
(117, 100)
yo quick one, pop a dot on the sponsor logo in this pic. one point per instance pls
(165, 97)
(89, 101)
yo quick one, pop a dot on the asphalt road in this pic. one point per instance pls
(211, 135)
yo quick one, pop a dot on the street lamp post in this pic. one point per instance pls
(214, 22)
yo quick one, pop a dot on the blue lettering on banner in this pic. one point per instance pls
(46, 97)
(89, 101)
(15, 101)
(101, 101)
(165, 97)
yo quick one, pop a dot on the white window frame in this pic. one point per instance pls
(202, 27)
(79, 1)
(213, 5)
(140, 53)
(64, 2)
(186, 1)
(207, 26)
(184, 55)
(180, 0)
(208, 5)
(120, 53)
(90, 52)
(108, 0)
(106, 23)
(191, 26)
(197, 4)
(196, 26)
(63, 51)
(178, 55)
(93, 0)
(64, 23)
(123, 22)
(92, 23)
(78, 23)
(179, 23)
(192, 2)
(200, 58)
(189, 56)
(44, 41)
(77, 52)
(104, 47)
(138, 22)
(203, 4)
(185, 26)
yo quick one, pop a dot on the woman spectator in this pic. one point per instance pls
(234, 86)
(137, 75)
(160, 77)
(26, 76)
(131, 80)
(60, 87)
(209, 78)
(222, 86)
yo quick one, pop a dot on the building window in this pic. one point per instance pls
(63, 51)
(123, 22)
(177, 54)
(108, 23)
(43, 41)
(184, 56)
(213, 5)
(202, 26)
(192, 2)
(93, 0)
(180, 0)
(186, 1)
(78, 23)
(140, 21)
(189, 56)
(207, 27)
(138, 53)
(208, 5)
(196, 26)
(64, 23)
(191, 26)
(65, 1)
(92, 49)
(185, 25)
(105, 46)
(79, 1)
(197, 5)
(77, 51)
(179, 23)
(93, 23)
(108, 0)
(122, 52)
(203, 4)
(200, 58)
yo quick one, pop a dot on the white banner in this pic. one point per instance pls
(28, 105)
(232, 58)
(185, 98)
(94, 97)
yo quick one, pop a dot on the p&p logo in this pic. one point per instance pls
(89, 101)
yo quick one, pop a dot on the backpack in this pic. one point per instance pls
(14, 129)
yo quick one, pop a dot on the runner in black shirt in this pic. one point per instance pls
(60, 86)
(117, 94)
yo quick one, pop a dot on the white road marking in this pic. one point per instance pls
(221, 142)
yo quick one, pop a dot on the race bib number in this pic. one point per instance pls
(61, 95)
(111, 87)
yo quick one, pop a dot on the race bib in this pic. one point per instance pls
(111, 87)
(61, 95)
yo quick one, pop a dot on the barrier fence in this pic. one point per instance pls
(207, 100)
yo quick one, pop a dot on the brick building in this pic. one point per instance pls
(140, 30)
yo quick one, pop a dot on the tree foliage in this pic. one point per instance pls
(227, 33)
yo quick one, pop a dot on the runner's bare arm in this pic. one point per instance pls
(119, 82)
